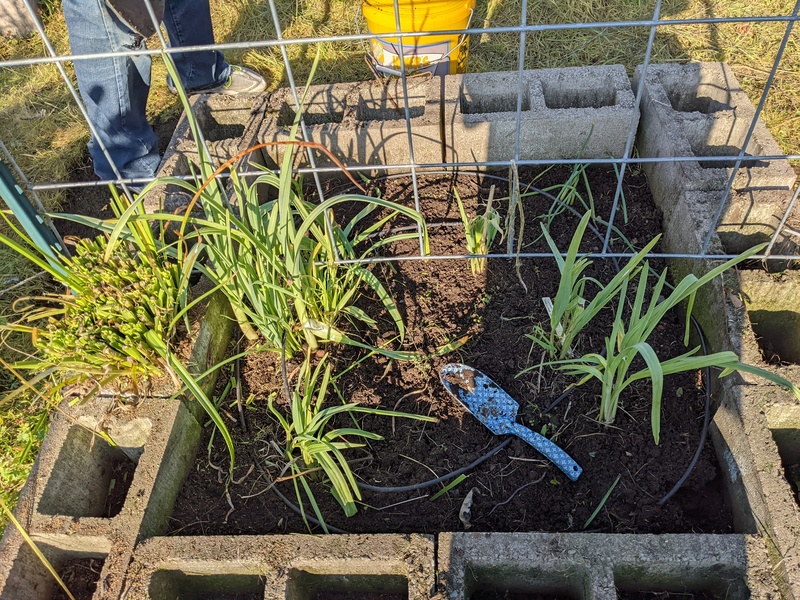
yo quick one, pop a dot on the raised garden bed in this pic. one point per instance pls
(442, 302)
(709, 541)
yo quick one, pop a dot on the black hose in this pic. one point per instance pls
(291, 505)
(706, 419)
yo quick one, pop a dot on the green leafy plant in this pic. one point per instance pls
(288, 268)
(629, 337)
(480, 231)
(311, 444)
(119, 290)
(571, 313)
(603, 501)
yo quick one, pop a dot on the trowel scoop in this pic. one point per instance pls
(493, 407)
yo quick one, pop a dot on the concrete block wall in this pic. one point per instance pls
(228, 123)
(464, 118)
(596, 566)
(756, 429)
(63, 504)
(285, 566)
(699, 110)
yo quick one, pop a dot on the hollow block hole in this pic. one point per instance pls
(594, 94)
(641, 582)
(665, 595)
(389, 109)
(221, 119)
(705, 150)
(81, 576)
(502, 583)
(777, 335)
(494, 593)
(317, 111)
(477, 101)
(90, 478)
(784, 424)
(304, 585)
(177, 585)
(685, 100)
(217, 132)
(29, 578)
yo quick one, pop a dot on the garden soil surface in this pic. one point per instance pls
(442, 302)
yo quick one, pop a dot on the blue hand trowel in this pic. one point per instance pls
(498, 411)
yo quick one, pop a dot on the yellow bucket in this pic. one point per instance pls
(438, 54)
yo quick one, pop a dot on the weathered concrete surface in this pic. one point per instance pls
(16, 19)
(228, 124)
(699, 110)
(284, 566)
(595, 566)
(566, 113)
(773, 304)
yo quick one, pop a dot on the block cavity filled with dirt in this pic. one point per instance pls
(487, 318)
(177, 585)
(669, 583)
(29, 579)
(783, 420)
(80, 577)
(304, 585)
(506, 583)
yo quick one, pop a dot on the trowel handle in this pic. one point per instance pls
(549, 450)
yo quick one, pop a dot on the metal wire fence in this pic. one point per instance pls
(416, 168)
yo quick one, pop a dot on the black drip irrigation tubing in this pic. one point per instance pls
(502, 445)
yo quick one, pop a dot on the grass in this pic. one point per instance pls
(44, 130)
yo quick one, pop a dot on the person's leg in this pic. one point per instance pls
(114, 90)
(188, 23)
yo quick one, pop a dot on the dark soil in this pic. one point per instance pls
(515, 490)
(81, 577)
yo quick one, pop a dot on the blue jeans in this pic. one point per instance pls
(115, 90)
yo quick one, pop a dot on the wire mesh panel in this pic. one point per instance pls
(515, 41)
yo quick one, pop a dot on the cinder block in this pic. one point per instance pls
(566, 113)
(580, 112)
(747, 219)
(699, 110)
(774, 312)
(754, 432)
(73, 474)
(228, 123)
(15, 19)
(284, 567)
(595, 566)
(63, 505)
